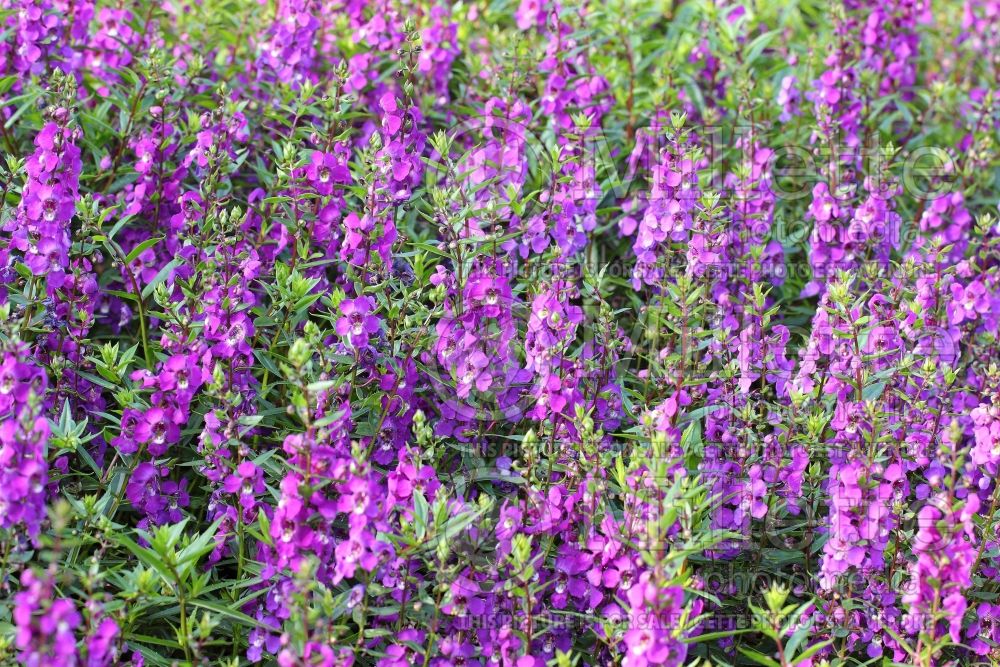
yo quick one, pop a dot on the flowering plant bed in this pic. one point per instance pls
(410, 332)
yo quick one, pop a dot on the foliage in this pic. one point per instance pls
(481, 333)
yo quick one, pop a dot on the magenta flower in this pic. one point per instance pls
(158, 430)
(357, 323)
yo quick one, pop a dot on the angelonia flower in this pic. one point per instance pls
(978, 25)
(159, 498)
(45, 624)
(649, 639)
(552, 328)
(294, 535)
(41, 228)
(947, 219)
(45, 34)
(156, 191)
(891, 43)
(395, 169)
(516, 334)
(111, 46)
(325, 175)
(356, 324)
(861, 520)
(945, 553)
(474, 348)
(496, 160)
(667, 213)
(572, 83)
(986, 419)
(788, 98)
(287, 49)
(24, 434)
(439, 38)
(102, 644)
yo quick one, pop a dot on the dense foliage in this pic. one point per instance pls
(410, 332)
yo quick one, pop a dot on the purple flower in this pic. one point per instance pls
(158, 430)
(45, 624)
(357, 323)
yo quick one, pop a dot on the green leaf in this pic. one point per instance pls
(146, 556)
(160, 276)
(872, 391)
(141, 248)
(231, 614)
(811, 651)
(710, 636)
(421, 512)
(759, 657)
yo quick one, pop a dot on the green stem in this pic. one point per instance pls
(126, 271)
(182, 604)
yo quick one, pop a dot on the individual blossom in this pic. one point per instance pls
(357, 323)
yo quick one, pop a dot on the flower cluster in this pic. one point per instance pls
(529, 334)
(24, 438)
